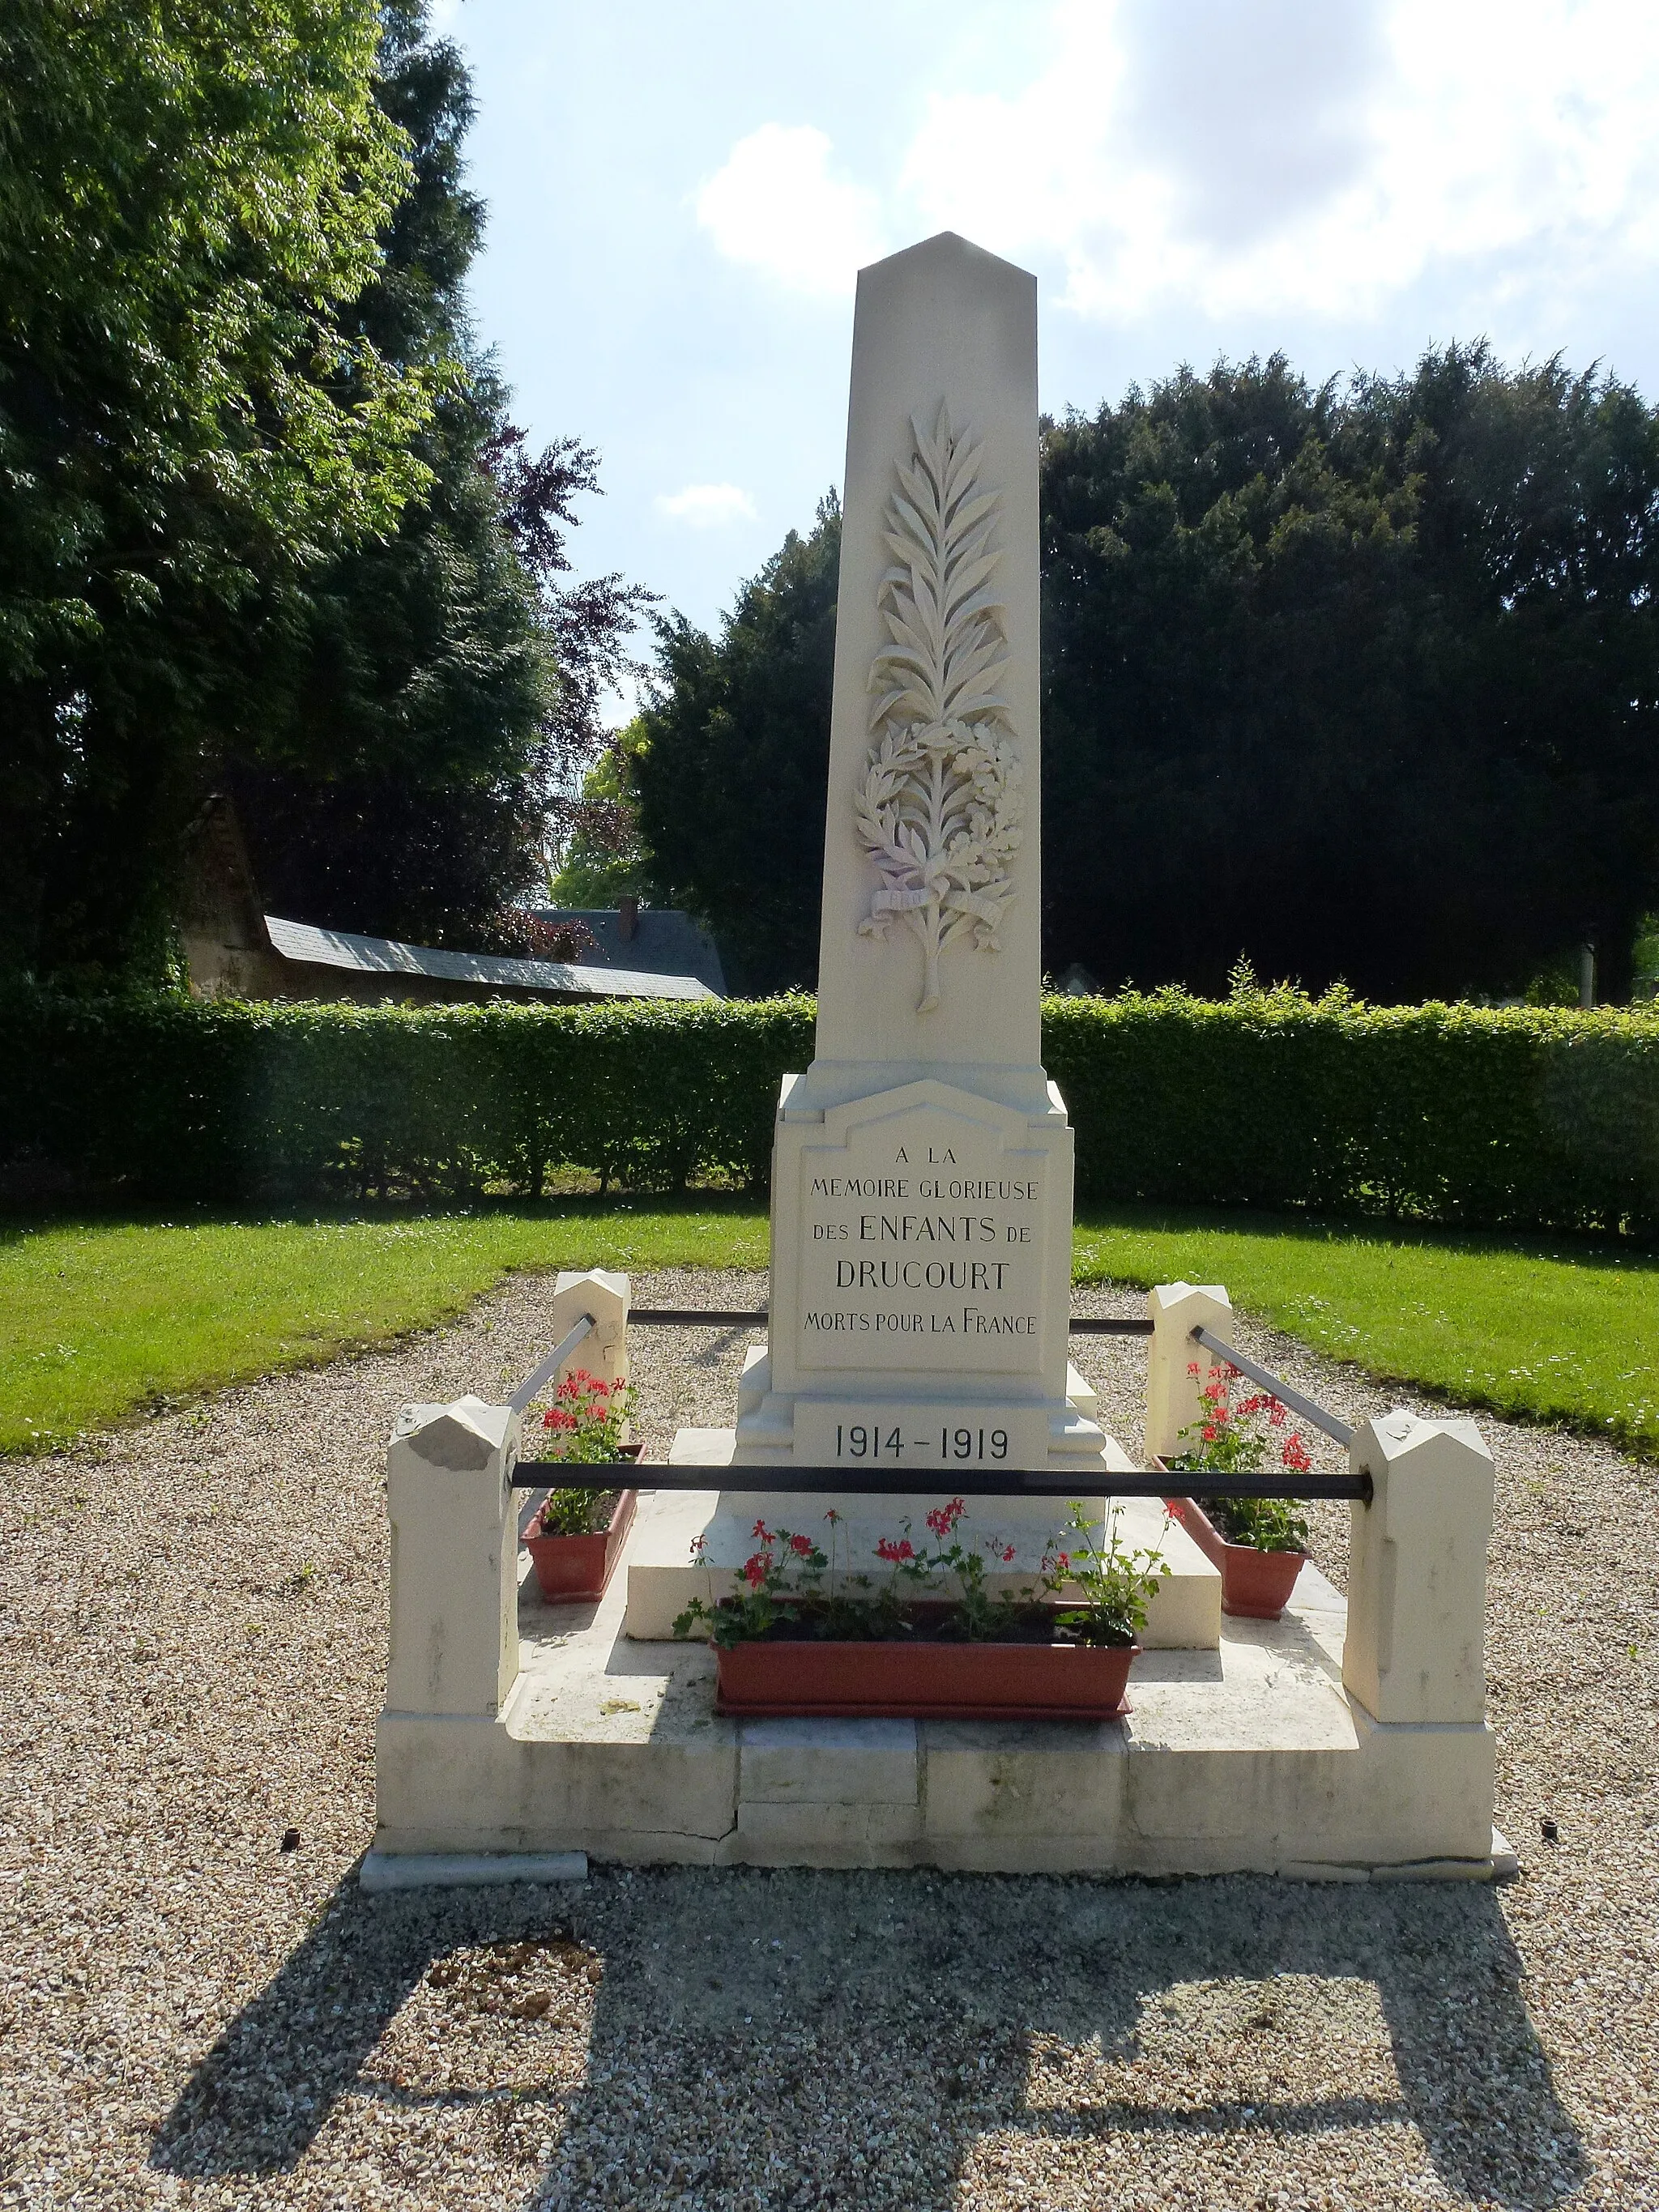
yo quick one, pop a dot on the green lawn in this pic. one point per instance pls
(99, 1319)
(1548, 1328)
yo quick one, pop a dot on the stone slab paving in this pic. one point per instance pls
(191, 1640)
(623, 1753)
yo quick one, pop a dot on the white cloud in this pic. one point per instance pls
(1293, 155)
(775, 206)
(709, 507)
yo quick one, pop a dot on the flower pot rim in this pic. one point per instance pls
(932, 1608)
(929, 1681)
(534, 1536)
(910, 1643)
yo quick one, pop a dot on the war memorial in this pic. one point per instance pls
(918, 1336)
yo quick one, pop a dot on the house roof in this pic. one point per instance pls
(341, 948)
(666, 941)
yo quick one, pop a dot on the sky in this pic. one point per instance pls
(681, 195)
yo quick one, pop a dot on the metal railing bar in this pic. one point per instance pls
(905, 1482)
(1338, 1432)
(691, 1316)
(757, 1316)
(539, 1378)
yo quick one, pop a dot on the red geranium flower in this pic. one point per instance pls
(896, 1553)
(755, 1569)
(800, 1545)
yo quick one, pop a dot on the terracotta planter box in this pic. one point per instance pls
(571, 1567)
(925, 1681)
(1255, 1585)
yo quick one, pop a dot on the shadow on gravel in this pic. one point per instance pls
(255, 2103)
(866, 2039)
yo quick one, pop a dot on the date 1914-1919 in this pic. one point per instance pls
(861, 1440)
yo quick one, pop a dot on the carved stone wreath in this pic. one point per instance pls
(939, 808)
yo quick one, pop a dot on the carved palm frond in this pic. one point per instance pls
(938, 811)
(946, 644)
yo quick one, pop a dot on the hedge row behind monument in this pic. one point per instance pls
(1466, 1115)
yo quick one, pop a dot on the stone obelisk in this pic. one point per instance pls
(921, 1194)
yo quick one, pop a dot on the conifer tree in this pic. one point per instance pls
(428, 697)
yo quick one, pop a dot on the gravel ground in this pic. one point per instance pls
(191, 1631)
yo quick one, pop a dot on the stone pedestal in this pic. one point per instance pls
(921, 1242)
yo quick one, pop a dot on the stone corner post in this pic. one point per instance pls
(1417, 1583)
(1173, 1398)
(454, 1559)
(606, 1297)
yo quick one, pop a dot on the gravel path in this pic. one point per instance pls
(191, 1631)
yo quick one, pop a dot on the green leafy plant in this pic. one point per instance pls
(573, 1512)
(979, 1615)
(784, 1573)
(1116, 1586)
(585, 1425)
(1238, 1438)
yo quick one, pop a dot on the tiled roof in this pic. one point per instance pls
(340, 948)
(666, 941)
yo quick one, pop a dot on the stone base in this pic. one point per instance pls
(1247, 1756)
(662, 1579)
(933, 1430)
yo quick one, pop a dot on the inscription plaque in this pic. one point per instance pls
(922, 1246)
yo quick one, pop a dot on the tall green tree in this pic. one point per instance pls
(1362, 683)
(1361, 680)
(429, 694)
(732, 779)
(189, 194)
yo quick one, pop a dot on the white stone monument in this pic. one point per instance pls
(921, 1191)
(921, 1169)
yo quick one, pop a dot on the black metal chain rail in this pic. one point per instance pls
(697, 1316)
(914, 1481)
(758, 1317)
(900, 1482)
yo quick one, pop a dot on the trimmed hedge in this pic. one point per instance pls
(222, 1099)
(1472, 1116)
(1514, 1116)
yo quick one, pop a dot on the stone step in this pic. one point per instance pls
(1248, 1756)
